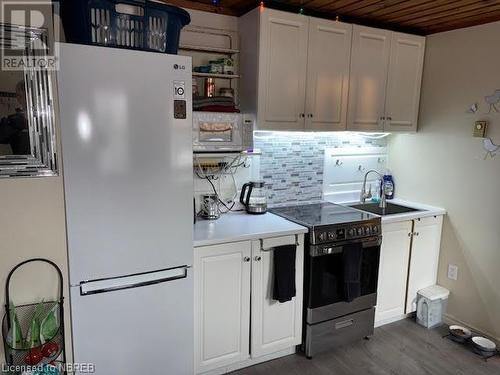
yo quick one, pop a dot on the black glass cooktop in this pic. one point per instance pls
(319, 214)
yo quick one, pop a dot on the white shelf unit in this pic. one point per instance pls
(212, 75)
(222, 51)
(204, 44)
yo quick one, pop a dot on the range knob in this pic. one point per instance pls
(352, 232)
(368, 230)
(375, 229)
(361, 231)
(322, 236)
(332, 235)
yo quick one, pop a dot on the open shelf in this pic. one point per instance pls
(223, 51)
(213, 75)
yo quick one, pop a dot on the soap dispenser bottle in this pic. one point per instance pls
(377, 189)
(388, 185)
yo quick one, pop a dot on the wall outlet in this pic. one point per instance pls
(452, 272)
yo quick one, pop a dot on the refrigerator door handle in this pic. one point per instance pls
(132, 281)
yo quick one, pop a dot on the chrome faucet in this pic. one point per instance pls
(367, 195)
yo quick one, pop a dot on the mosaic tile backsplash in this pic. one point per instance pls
(291, 163)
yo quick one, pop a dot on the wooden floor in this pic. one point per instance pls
(401, 348)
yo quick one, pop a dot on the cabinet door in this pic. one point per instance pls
(275, 326)
(424, 257)
(393, 272)
(328, 67)
(222, 304)
(368, 78)
(404, 81)
(282, 70)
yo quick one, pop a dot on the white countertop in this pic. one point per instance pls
(240, 226)
(425, 211)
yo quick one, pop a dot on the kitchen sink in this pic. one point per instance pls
(391, 209)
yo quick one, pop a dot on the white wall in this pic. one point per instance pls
(443, 165)
(227, 188)
(212, 20)
(32, 225)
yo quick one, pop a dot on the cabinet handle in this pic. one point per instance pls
(389, 118)
(310, 115)
(344, 324)
(382, 118)
(302, 115)
(246, 259)
(410, 234)
(257, 258)
(417, 233)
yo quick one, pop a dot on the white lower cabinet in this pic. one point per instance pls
(233, 292)
(275, 326)
(222, 305)
(409, 259)
(393, 271)
(424, 258)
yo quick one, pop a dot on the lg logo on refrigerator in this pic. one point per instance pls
(179, 67)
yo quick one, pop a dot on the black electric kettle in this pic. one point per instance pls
(254, 198)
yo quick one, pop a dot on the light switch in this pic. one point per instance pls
(480, 129)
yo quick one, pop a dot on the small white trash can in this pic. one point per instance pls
(431, 305)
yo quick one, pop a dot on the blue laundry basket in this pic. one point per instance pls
(135, 24)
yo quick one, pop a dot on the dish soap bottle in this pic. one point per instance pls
(388, 185)
(376, 188)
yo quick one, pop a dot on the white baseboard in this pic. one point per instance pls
(250, 362)
(396, 318)
(450, 320)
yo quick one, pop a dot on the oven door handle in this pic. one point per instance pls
(366, 242)
(372, 243)
(344, 324)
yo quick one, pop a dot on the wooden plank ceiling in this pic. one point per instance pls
(417, 16)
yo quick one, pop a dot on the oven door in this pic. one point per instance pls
(325, 291)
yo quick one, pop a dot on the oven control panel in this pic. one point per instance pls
(364, 230)
(349, 232)
(331, 235)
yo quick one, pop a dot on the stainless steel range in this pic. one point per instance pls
(340, 275)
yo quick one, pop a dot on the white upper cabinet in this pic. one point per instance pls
(305, 73)
(297, 76)
(404, 80)
(368, 79)
(329, 58)
(282, 64)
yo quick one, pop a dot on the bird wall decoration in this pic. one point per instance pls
(490, 147)
(493, 101)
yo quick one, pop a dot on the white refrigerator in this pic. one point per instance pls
(125, 119)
